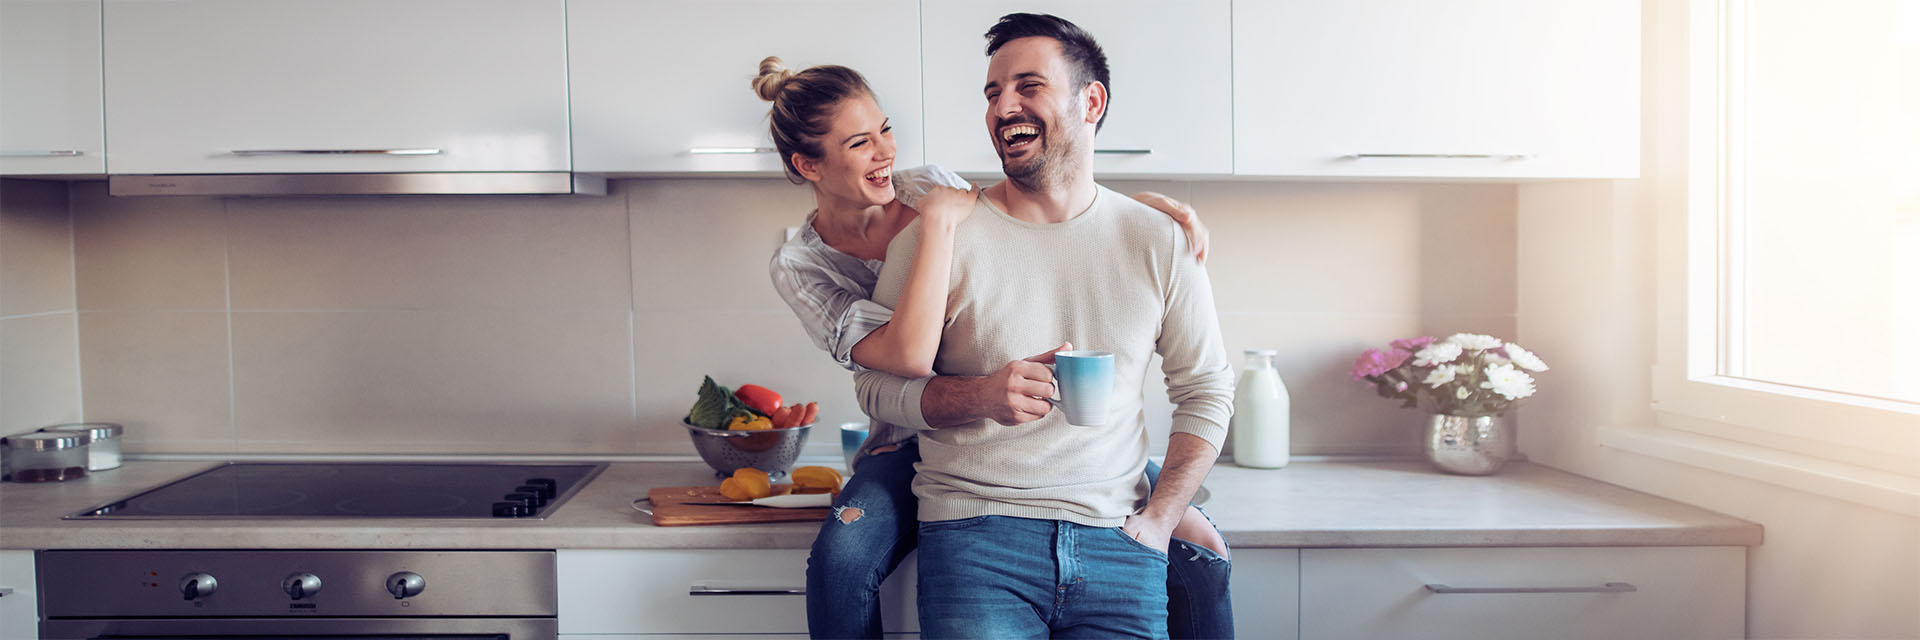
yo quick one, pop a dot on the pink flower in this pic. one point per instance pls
(1413, 344)
(1374, 363)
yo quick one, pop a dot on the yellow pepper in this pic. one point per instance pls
(734, 490)
(816, 480)
(749, 423)
(755, 481)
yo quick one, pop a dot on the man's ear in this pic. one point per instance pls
(809, 168)
(1096, 101)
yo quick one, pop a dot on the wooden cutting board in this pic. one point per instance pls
(670, 510)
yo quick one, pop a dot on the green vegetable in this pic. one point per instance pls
(716, 406)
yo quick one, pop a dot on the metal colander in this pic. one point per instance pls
(770, 450)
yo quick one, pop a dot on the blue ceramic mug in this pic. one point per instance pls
(852, 435)
(1085, 379)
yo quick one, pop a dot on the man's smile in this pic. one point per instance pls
(1017, 137)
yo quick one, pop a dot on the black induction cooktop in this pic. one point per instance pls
(357, 490)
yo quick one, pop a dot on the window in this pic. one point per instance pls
(1820, 219)
(1788, 303)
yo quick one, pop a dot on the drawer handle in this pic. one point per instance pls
(330, 152)
(1480, 156)
(730, 151)
(1124, 152)
(6, 591)
(56, 153)
(1611, 587)
(704, 590)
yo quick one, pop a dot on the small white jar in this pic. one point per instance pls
(103, 450)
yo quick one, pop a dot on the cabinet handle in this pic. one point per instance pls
(6, 591)
(704, 590)
(1480, 156)
(738, 151)
(1124, 152)
(329, 152)
(1611, 587)
(56, 153)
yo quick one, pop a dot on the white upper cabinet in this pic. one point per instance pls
(326, 86)
(1171, 106)
(1419, 88)
(50, 87)
(666, 85)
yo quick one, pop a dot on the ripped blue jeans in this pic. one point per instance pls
(874, 525)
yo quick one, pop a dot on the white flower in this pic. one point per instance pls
(1474, 341)
(1461, 393)
(1525, 358)
(1439, 376)
(1507, 381)
(1436, 353)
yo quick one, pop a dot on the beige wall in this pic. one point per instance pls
(39, 376)
(583, 324)
(1586, 255)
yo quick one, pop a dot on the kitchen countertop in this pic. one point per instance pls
(1307, 504)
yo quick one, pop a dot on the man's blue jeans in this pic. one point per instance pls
(1007, 577)
(873, 527)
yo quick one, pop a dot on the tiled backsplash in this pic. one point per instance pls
(583, 324)
(39, 376)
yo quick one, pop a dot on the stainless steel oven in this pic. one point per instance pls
(308, 594)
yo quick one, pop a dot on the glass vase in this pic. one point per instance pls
(1469, 445)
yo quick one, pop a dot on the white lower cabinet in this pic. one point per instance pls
(668, 593)
(19, 601)
(1266, 593)
(1491, 593)
(1485, 593)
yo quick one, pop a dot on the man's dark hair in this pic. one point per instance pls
(1088, 61)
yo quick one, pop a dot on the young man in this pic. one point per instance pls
(1031, 526)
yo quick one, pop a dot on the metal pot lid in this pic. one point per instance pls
(47, 441)
(99, 430)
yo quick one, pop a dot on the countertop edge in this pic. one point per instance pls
(1306, 505)
(790, 536)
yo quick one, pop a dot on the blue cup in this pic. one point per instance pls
(852, 435)
(1085, 379)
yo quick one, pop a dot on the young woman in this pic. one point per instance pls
(832, 134)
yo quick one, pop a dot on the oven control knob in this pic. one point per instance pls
(405, 584)
(301, 585)
(197, 585)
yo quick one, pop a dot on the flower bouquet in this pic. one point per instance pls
(1466, 374)
(1464, 381)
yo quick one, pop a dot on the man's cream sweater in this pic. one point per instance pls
(1118, 277)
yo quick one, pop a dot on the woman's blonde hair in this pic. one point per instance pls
(803, 105)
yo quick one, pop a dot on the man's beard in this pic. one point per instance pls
(1042, 167)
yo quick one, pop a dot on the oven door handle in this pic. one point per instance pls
(405, 628)
(490, 636)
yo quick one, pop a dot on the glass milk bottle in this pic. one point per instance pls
(1260, 408)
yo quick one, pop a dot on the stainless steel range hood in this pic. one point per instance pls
(338, 184)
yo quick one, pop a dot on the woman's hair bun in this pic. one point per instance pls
(773, 74)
